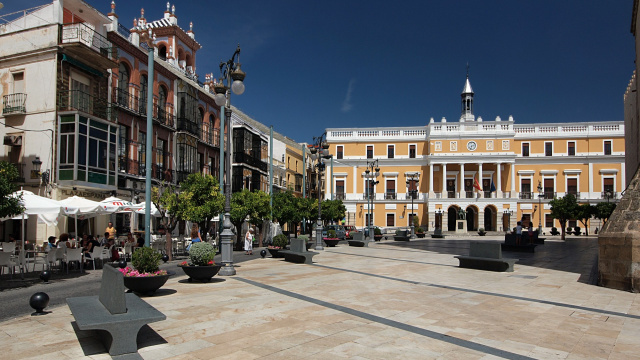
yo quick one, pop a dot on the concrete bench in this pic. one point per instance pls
(486, 256)
(114, 311)
(510, 244)
(298, 252)
(437, 234)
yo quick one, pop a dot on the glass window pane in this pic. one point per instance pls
(82, 150)
(93, 152)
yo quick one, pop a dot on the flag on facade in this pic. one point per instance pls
(476, 184)
(493, 186)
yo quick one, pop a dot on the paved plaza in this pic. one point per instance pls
(389, 301)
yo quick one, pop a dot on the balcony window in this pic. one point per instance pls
(525, 189)
(525, 149)
(390, 151)
(369, 151)
(571, 148)
(340, 189)
(391, 220)
(548, 220)
(412, 151)
(607, 147)
(549, 188)
(339, 152)
(390, 193)
(548, 148)
(572, 186)
(187, 147)
(14, 103)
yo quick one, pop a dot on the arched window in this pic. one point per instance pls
(144, 90)
(162, 104)
(123, 77)
(162, 52)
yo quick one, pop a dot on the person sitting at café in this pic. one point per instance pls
(140, 241)
(130, 238)
(115, 255)
(63, 241)
(105, 239)
(50, 244)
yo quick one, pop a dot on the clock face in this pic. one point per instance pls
(472, 146)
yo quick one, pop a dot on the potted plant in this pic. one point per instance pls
(576, 230)
(279, 243)
(147, 277)
(554, 231)
(481, 232)
(331, 240)
(419, 232)
(377, 233)
(200, 266)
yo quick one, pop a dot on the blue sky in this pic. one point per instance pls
(317, 64)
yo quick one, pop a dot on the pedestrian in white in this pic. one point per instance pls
(248, 242)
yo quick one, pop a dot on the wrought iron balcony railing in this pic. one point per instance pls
(81, 101)
(84, 33)
(526, 195)
(14, 104)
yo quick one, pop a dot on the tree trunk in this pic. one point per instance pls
(168, 247)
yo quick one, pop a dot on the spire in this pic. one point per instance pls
(467, 101)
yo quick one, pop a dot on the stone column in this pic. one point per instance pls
(444, 193)
(514, 193)
(431, 180)
(462, 194)
(499, 184)
(480, 179)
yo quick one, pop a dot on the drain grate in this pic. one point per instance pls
(524, 276)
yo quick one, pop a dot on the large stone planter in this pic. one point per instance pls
(331, 242)
(275, 253)
(420, 235)
(146, 285)
(377, 237)
(200, 273)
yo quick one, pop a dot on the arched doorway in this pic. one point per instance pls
(471, 219)
(452, 215)
(489, 219)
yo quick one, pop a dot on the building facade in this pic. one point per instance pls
(497, 172)
(74, 85)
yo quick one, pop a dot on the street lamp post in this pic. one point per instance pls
(319, 151)
(371, 175)
(229, 70)
(508, 214)
(412, 184)
(540, 195)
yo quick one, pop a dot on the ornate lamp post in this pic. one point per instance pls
(371, 175)
(412, 184)
(540, 195)
(229, 70)
(319, 151)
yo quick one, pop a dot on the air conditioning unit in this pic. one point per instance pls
(13, 140)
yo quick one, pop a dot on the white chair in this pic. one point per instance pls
(74, 255)
(60, 252)
(128, 250)
(52, 258)
(9, 247)
(106, 254)
(96, 254)
(5, 261)
(23, 263)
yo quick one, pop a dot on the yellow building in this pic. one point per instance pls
(498, 172)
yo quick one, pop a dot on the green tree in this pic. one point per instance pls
(9, 205)
(603, 211)
(200, 200)
(333, 210)
(253, 206)
(563, 209)
(165, 198)
(308, 209)
(584, 212)
(285, 207)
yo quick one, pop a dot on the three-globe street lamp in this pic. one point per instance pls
(412, 184)
(540, 195)
(229, 71)
(319, 151)
(371, 175)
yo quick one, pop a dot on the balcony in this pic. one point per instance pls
(163, 115)
(125, 100)
(81, 41)
(186, 124)
(390, 196)
(609, 195)
(77, 100)
(452, 194)
(14, 104)
(339, 196)
(240, 157)
(211, 137)
(527, 195)
(469, 194)
(549, 195)
(574, 193)
(368, 196)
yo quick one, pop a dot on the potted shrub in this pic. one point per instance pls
(576, 230)
(331, 240)
(377, 233)
(481, 232)
(568, 229)
(147, 277)
(200, 266)
(554, 231)
(279, 243)
(419, 232)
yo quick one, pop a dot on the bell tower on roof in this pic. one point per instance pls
(467, 101)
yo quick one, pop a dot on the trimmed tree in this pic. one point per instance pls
(200, 200)
(603, 211)
(333, 210)
(285, 207)
(584, 212)
(9, 205)
(246, 204)
(563, 209)
(165, 198)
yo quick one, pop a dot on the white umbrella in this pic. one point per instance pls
(86, 208)
(114, 204)
(154, 210)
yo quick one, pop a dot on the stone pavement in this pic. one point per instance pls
(387, 301)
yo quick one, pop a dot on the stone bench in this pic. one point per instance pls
(114, 311)
(401, 235)
(298, 252)
(437, 234)
(510, 244)
(486, 256)
(358, 240)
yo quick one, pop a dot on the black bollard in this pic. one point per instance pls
(165, 257)
(263, 253)
(122, 263)
(45, 276)
(39, 301)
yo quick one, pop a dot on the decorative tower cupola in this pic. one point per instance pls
(467, 102)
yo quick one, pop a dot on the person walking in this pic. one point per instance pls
(248, 242)
(518, 233)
